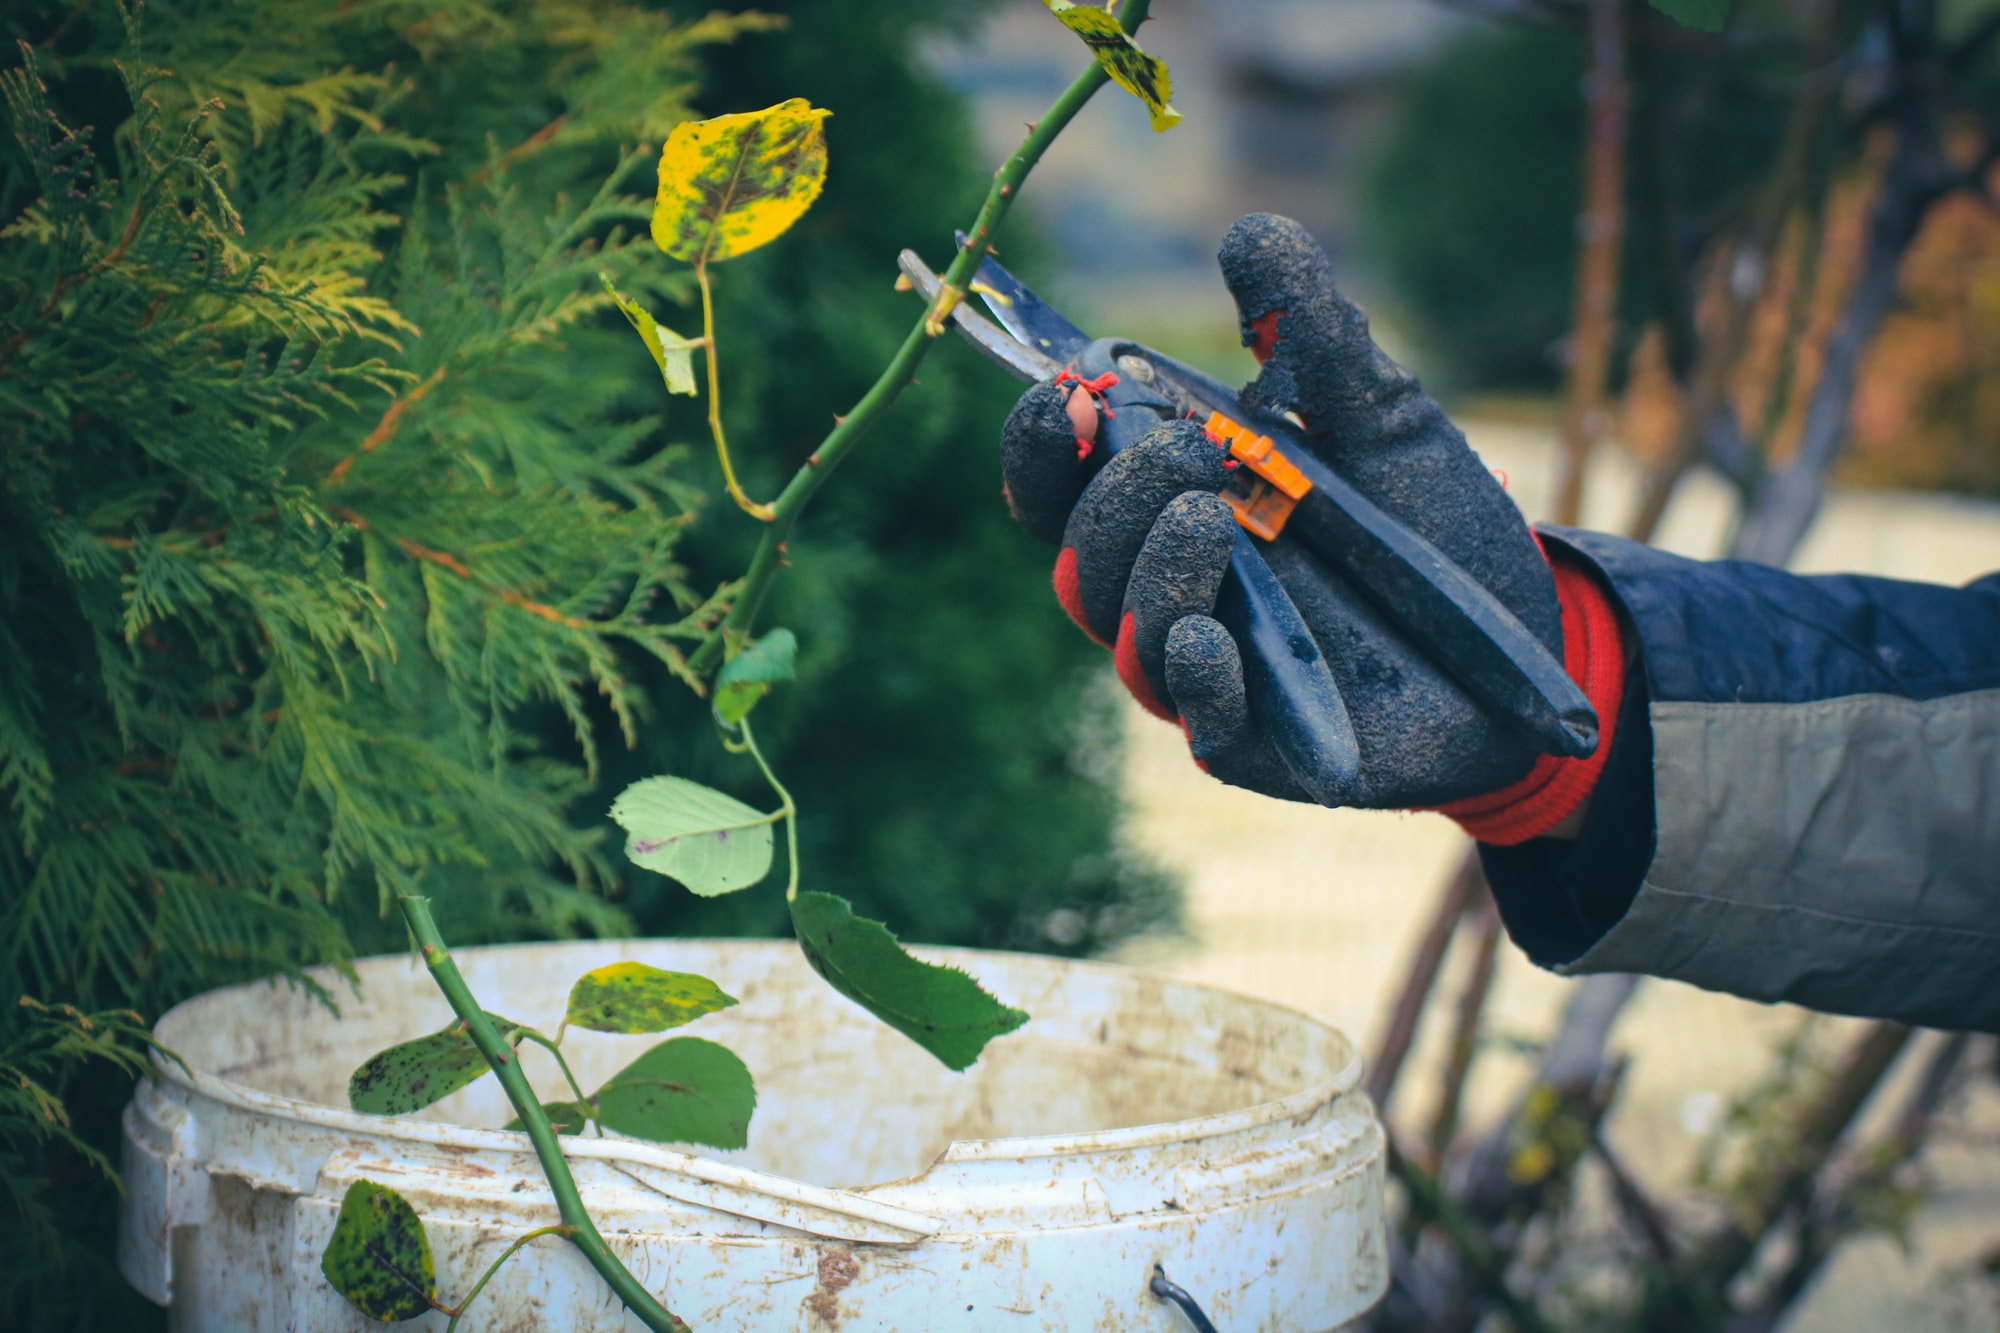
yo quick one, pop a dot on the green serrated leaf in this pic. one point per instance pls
(379, 1257)
(632, 997)
(1139, 74)
(749, 675)
(411, 1076)
(712, 843)
(685, 1090)
(564, 1117)
(1707, 15)
(673, 354)
(940, 1008)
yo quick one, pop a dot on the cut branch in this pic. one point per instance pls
(902, 368)
(580, 1231)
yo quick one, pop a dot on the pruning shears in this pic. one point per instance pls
(1281, 492)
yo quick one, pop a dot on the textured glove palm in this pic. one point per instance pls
(1146, 537)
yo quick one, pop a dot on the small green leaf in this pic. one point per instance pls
(411, 1076)
(685, 1090)
(731, 184)
(379, 1257)
(940, 1008)
(564, 1117)
(673, 354)
(749, 675)
(710, 842)
(1707, 15)
(632, 997)
(1137, 73)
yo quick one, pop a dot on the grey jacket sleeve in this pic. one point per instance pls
(1803, 800)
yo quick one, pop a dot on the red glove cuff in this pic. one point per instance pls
(1555, 788)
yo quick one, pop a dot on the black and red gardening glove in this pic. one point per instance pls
(1145, 542)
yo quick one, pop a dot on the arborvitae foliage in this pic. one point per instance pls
(320, 474)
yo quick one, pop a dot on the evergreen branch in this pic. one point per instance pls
(445, 560)
(385, 429)
(548, 1148)
(899, 373)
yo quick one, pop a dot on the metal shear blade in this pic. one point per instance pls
(997, 344)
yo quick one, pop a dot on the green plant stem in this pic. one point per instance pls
(555, 1048)
(743, 502)
(583, 1232)
(494, 1267)
(786, 809)
(896, 376)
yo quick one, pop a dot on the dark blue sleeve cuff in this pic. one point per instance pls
(1558, 897)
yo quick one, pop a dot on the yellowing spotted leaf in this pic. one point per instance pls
(731, 184)
(1137, 73)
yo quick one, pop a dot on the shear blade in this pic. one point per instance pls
(996, 344)
(1026, 315)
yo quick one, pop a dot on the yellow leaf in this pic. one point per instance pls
(1137, 73)
(731, 184)
(673, 354)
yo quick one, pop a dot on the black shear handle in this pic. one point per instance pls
(1292, 694)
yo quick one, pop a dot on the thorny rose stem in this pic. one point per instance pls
(764, 565)
(582, 1231)
(896, 375)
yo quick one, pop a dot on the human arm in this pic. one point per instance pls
(1802, 798)
(1715, 842)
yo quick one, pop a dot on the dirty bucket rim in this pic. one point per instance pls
(245, 1098)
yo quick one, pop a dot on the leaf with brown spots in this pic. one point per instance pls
(411, 1076)
(731, 184)
(379, 1257)
(940, 1008)
(632, 997)
(1143, 76)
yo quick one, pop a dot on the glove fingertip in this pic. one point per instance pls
(1039, 463)
(1269, 264)
(1204, 674)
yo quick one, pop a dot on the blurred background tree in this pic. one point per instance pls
(348, 548)
(1470, 220)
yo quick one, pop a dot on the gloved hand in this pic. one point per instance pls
(1145, 542)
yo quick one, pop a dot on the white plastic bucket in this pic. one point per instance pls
(1134, 1121)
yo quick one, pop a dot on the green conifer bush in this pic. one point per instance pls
(346, 548)
(321, 480)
